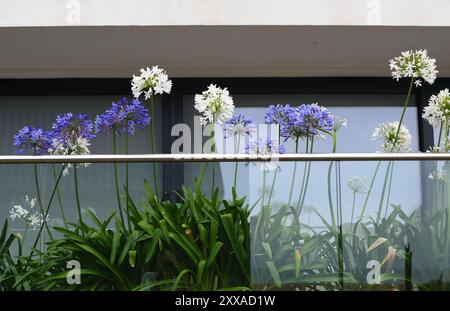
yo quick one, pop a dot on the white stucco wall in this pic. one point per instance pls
(224, 12)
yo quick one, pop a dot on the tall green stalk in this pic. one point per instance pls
(447, 171)
(77, 194)
(38, 193)
(389, 190)
(383, 191)
(369, 191)
(260, 218)
(305, 168)
(446, 144)
(47, 210)
(405, 105)
(152, 138)
(353, 209)
(330, 168)
(58, 194)
(293, 175)
(341, 256)
(116, 177)
(440, 135)
(236, 164)
(213, 149)
(205, 164)
(263, 189)
(276, 171)
(306, 181)
(127, 175)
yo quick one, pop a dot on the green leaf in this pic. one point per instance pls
(241, 253)
(179, 277)
(298, 261)
(200, 269)
(267, 249)
(132, 258)
(125, 250)
(120, 277)
(150, 251)
(4, 232)
(114, 246)
(187, 245)
(275, 275)
(213, 253)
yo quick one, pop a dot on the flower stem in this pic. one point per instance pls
(202, 172)
(304, 175)
(275, 173)
(77, 194)
(383, 191)
(213, 149)
(405, 105)
(263, 189)
(440, 135)
(341, 256)
(300, 207)
(152, 138)
(293, 174)
(38, 192)
(257, 232)
(58, 194)
(369, 191)
(389, 190)
(236, 164)
(330, 168)
(127, 177)
(446, 145)
(273, 184)
(47, 210)
(116, 177)
(353, 208)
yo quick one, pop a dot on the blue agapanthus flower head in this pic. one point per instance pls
(123, 116)
(291, 129)
(265, 147)
(239, 125)
(313, 118)
(68, 127)
(277, 114)
(33, 139)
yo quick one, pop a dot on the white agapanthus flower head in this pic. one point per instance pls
(438, 175)
(339, 123)
(438, 109)
(26, 214)
(414, 64)
(215, 104)
(387, 132)
(79, 147)
(357, 184)
(151, 81)
(17, 211)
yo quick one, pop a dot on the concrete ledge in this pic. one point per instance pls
(32, 13)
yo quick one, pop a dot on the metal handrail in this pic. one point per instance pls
(167, 158)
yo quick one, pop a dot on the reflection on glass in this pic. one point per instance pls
(344, 226)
